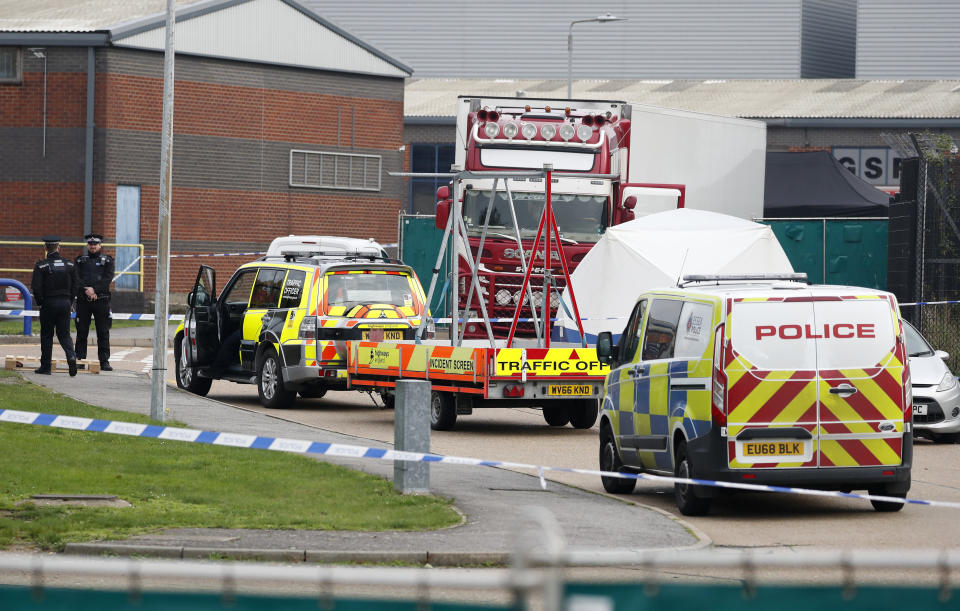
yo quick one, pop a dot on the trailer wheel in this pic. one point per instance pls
(443, 411)
(556, 416)
(583, 414)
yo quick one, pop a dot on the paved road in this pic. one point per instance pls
(491, 499)
(757, 520)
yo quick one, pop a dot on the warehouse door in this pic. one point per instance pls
(128, 232)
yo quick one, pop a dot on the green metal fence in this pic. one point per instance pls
(419, 243)
(848, 251)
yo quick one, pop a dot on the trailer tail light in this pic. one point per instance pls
(513, 391)
(308, 328)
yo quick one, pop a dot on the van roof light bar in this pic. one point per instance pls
(794, 277)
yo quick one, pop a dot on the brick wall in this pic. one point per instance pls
(234, 125)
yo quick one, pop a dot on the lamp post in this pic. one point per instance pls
(601, 19)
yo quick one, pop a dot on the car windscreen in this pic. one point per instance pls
(348, 292)
(916, 344)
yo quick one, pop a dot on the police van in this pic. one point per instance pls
(759, 379)
(282, 322)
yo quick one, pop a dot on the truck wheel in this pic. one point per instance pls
(556, 416)
(187, 378)
(887, 506)
(583, 414)
(270, 383)
(443, 411)
(314, 391)
(688, 502)
(610, 461)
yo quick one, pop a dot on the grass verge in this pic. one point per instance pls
(176, 485)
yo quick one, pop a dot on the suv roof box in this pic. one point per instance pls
(324, 245)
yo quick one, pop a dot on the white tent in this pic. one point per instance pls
(654, 252)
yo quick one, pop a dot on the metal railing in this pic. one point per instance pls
(127, 271)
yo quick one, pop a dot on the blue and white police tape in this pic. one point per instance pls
(300, 446)
(113, 315)
(923, 303)
(210, 254)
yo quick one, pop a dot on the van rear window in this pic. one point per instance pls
(856, 333)
(769, 334)
(808, 335)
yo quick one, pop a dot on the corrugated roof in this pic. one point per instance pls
(77, 15)
(765, 99)
(292, 41)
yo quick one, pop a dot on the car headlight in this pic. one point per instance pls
(947, 383)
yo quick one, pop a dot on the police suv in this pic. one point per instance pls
(281, 322)
(761, 380)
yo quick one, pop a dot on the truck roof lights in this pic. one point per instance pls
(491, 130)
(584, 132)
(566, 132)
(510, 130)
(548, 131)
(529, 131)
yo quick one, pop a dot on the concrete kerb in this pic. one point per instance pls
(447, 558)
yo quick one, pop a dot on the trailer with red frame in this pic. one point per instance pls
(565, 380)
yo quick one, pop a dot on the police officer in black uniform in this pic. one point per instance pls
(54, 287)
(93, 299)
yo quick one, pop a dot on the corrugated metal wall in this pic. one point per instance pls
(266, 31)
(515, 39)
(829, 39)
(916, 39)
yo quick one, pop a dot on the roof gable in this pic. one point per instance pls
(266, 31)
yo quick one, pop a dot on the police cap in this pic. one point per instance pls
(93, 238)
(51, 240)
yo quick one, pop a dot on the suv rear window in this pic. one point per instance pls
(348, 290)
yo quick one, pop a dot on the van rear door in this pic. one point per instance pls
(771, 399)
(860, 361)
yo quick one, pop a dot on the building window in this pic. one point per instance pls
(430, 158)
(11, 65)
(324, 170)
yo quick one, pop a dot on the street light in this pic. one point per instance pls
(601, 19)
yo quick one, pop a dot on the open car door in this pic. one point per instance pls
(200, 323)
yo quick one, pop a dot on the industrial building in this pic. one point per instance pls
(284, 123)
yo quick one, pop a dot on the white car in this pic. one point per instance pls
(936, 393)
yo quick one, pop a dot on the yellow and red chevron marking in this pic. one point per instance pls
(861, 452)
(548, 363)
(315, 292)
(418, 361)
